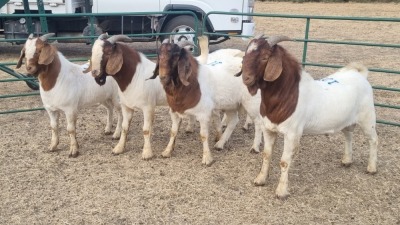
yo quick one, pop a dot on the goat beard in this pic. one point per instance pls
(101, 80)
(253, 89)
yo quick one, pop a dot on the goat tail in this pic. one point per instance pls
(359, 67)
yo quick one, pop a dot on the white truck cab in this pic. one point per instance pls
(135, 23)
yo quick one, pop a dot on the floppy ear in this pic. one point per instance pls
(115, 61)
(87, 70)
(274, 66)
(47, 54)
(21, 57)
(184, 67)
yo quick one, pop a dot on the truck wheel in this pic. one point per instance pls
(180, 25)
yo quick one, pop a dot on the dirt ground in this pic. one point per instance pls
(42, 187)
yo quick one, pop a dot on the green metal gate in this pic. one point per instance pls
(306, 40)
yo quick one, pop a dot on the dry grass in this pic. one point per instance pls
(39, 187)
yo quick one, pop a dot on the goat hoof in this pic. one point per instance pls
(189, 131)
(73, 155)
(259, 183)
(254, 151)
(245, 128)
(147, 156)
(116, 153)
(107, 132)
(346, 164)
(208, 162)
(371, 171)
(166, 154)
(218, 146)
(283, 196)
(115, 138)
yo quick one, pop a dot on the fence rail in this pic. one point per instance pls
(305, 40)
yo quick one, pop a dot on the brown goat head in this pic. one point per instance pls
(174, 64)
(107, 57)
(262, 61)
(38, 53)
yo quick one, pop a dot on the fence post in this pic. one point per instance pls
(304, 59)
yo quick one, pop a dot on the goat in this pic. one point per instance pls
(219, 56)
(293, 103)
(130, 69)
(202, 91)
(64, 88)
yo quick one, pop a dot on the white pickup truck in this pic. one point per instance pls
(130, 24)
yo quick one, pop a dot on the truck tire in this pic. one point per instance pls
(181, 24)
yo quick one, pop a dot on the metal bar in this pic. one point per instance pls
(387, 106)
(20, 110)
(350, 43)
(339, 66)
(20, 95)
(105, 14)
(386, 88)
(304, 59)
(17, 75)
(28, 18)
(17, 79)
(43, 19)
(381, 19)
(388, 123)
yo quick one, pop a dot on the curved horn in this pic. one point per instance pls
(276, 39)
(119, 37)
(185, 43)
(30, 36)
(103, 36)
(259, 36)
(46, 36)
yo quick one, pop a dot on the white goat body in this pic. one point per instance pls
(220, 91)
(332, 103)
(336, 103)
(72, 91)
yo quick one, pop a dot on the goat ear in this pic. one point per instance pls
(47, 54)
(274, 66)
(21, 57)
(184, 67)
(115, 61)
(87, 70)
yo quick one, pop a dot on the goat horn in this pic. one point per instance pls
(46, 36)
(259, 36)
(30, 36)
(103, 36)
(276, 39)
(119, 37)
(185, 43)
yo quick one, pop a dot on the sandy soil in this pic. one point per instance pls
(42, 187)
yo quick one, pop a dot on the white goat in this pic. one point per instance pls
(293, 103)
(63, 87)
(201, 91)
(130, 69)
(220, 56)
